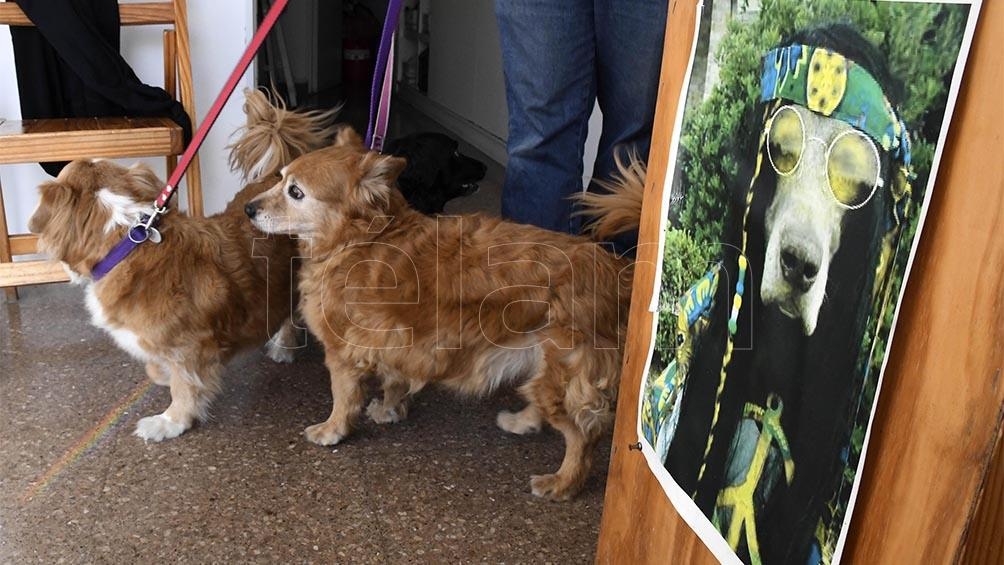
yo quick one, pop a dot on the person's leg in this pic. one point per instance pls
(629, 38)
(548, 58)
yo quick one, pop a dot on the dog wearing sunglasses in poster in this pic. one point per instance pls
(772, 367)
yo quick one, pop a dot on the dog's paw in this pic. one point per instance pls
(514, 423)
(383, 415)
(278, 353)
(551, 487)
(323, 434)
(158, 428)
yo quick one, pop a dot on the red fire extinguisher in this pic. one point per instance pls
(361, 32)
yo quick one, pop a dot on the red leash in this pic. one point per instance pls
(146, 228)
(221, 100)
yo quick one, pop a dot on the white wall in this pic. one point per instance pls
(465, 63)
(220, 30)
(465, 71)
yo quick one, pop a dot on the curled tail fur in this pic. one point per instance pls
(273, 136)
(619, 209)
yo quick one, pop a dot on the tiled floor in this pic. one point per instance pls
(445, 486)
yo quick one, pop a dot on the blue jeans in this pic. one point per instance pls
(559, 57)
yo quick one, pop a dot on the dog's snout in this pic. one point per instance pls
(251, 209)
(35, 224)
(799, 266)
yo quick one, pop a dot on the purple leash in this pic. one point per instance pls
(383, 73)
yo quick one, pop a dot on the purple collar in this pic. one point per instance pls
(134, 237)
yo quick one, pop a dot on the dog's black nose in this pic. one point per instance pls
(251, 210)
(799, 270)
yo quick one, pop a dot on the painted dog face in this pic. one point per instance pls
(826, 169)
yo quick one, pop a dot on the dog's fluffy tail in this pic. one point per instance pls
(273, 136)
(619, 209)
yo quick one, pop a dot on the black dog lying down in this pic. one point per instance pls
(436, 171)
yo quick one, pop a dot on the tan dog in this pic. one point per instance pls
(471, 302)
(212, 288)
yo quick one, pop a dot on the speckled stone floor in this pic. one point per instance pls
(445, 486)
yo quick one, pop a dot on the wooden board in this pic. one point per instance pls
(985, 544)
(639, 524)
(23, 244)
(5, 245)
(940, 409)
(31, 272)
(65, 139)
(183, 48)
(140, 13)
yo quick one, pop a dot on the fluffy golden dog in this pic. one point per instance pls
(212, 287)
(471, 302)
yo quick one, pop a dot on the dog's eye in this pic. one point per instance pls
(294, 192)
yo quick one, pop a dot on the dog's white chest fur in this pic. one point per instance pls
(124, 338)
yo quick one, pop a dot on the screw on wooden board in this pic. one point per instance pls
(634, 446)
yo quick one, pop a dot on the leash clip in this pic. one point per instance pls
(144, 230)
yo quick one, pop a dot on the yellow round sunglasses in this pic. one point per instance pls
(853, 166)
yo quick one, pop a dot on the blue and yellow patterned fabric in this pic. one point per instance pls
(660, 405)
(829, 84)
(735, 510)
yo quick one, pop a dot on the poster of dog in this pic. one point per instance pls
(803, 162)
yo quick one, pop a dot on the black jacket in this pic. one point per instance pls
(69, 66)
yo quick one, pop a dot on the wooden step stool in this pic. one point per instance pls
(33, 141)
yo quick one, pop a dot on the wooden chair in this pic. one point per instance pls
(32, 141)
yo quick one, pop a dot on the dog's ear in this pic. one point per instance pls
(258, 106)
(273, 135)
(347, 136)
(147, 184)
(145, 181)
(379, 173)
(55, 197)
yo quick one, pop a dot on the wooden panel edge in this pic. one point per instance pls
(639, 524)
(140, 13)
(983, 542)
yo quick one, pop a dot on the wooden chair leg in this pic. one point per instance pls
(193, 178)
(184, 54)
(5, 255)
(171, 80)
